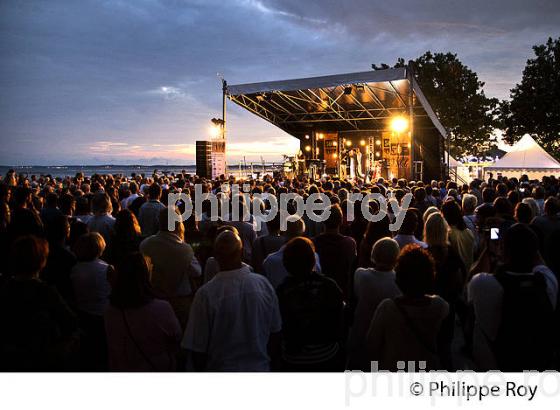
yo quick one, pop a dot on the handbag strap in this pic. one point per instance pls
(412, 326)
(129, 331)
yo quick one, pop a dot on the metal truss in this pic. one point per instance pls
(285, 109)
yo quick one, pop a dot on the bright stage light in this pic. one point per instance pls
(377, 142)
(308, 148)
(215, 131)
(363, 142)
(335, 144)
(348, 143)
(399, 124)
(335, 155)
(320, 136)
(377, 154)
(306, 137)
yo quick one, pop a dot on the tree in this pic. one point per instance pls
(457, 97)
(534, 107)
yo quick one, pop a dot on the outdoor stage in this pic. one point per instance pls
(358, 125)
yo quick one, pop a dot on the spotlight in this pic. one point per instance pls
(335, 155)
(377, 154)
(306, 136)
(377, 142)
(363, 142)
(399, 124)
(348, 143)
(308, 148)
(215, 131)
(335, 144)
(320, 136)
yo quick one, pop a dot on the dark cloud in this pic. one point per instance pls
(77, 76)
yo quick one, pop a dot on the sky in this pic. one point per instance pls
(137, 81)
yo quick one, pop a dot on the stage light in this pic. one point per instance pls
(348, 143)
(317, 151)
(409, 145)
(320, 136)
(377, 142)
(399, 124)
(306, 137)
(335, 144)
(377, 154)
(308, 148)
(363, 142)
(215, 131)
(335, 155)
(348, 90)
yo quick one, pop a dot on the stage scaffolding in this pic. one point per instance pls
(342, 118)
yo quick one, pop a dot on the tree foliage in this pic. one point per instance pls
(457, 97)
(534, 107)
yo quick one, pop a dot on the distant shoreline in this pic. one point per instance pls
(126, 170)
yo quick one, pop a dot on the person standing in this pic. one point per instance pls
(172, 260)
(149, 213)
(371, 287)
(143, 333)
(234, 317)
(514, 308)
(312, 309)
(405, 328)
(337, 252)
(36, 323)
(102, 221)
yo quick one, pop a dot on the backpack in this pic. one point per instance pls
(526, 334)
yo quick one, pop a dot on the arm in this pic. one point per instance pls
(375, 335)
(197, 334)
(274, 350)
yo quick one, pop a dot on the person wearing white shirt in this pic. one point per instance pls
(133, 187)
(234, 318)
(273, 268)
(371, 286)
(486, 294)
(102, 221)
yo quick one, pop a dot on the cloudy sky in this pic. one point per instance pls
(135, 81)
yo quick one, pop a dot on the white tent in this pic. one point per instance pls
(526, 157)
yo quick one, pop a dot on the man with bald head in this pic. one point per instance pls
(233, 316)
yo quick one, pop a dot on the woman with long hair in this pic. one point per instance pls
(374, 232)
(125, 239)
(450, 278)
(143, 333)
(460, 237)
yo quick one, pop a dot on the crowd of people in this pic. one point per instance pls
(93, 279)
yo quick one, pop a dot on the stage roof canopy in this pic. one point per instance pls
(363, 101)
